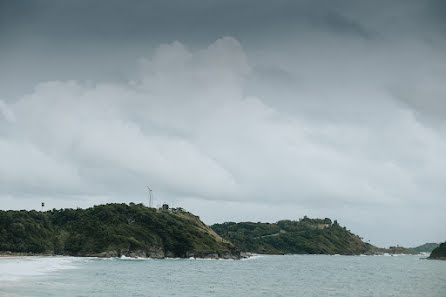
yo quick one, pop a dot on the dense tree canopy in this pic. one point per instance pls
(105, 228)
(306, 236)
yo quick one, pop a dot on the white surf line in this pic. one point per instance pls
(16, 268)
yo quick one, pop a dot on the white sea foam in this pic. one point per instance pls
(12, 269)
(200, 259)
(253, 257)
(131, 258)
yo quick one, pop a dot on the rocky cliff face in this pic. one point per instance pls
(159, 253)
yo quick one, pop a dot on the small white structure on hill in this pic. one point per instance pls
(150, 197)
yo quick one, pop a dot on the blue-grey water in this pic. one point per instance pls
(298, 275)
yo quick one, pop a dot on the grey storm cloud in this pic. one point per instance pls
(236, 110)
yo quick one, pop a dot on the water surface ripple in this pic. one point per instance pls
(297, 275)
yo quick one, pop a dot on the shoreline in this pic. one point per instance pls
(437, 258)
(246, 255)
(122, 256)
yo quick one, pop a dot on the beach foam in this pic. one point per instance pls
(16, 268)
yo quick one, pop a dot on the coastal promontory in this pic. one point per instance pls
(111, 230)
(305, 236)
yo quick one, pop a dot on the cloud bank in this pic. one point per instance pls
(192, 125)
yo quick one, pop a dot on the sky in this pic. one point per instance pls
(234, 110)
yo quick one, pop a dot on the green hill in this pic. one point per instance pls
(111, 230)
(439, 253)
(425, 248)
(306, 236)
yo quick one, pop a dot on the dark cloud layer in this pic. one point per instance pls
(45, 40)
(131, 20)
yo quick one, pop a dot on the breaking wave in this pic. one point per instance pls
(16, 268)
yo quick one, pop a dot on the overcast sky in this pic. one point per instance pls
(234, 110)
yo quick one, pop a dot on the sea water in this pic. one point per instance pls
(296, 275)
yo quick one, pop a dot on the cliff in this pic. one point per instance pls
(306, 236)
(439, 253)
(111, 230)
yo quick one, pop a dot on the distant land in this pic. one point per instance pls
(305, 236)
(425, 248)
(134, 230)
(439, 253)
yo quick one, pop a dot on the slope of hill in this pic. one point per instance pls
(425, 248)
(111, 230)
(439, 253)
(306, 236)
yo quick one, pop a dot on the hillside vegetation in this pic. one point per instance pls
(111, 230)
(306, 236)
(425, 248)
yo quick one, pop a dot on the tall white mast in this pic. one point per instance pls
(150, 197)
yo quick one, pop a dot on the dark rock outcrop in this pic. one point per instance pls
(439, 253)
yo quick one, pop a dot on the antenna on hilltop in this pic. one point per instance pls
(150, 197)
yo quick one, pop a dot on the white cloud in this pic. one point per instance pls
(6, 113)
(189, 129)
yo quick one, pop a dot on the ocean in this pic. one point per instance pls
(262, 275)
